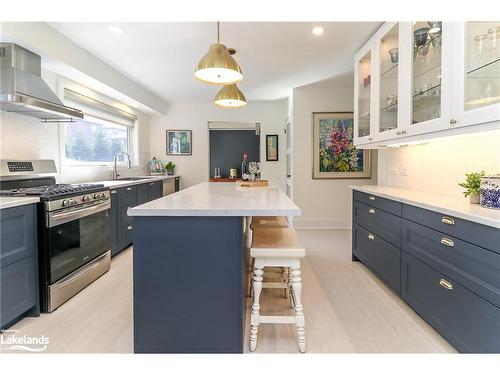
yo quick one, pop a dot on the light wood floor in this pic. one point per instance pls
(347, 309)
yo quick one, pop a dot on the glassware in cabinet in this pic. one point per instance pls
(426, 71)
(388, 86)
(364, 87)
(482, 64)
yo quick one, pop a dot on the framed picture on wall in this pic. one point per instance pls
(272, 147)
(179, 142)
(334, 154)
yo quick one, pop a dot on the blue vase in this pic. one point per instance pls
(490, 192)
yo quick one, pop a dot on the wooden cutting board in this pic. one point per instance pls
(259, 183)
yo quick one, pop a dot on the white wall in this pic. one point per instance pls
(195, 117)
(438, 166)
(324, 203)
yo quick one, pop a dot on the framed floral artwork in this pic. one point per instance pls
(334, 154)
(179, 142)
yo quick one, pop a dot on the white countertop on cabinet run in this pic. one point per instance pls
(220, 199)
(457, 207)
(140, 180)
(8, 202)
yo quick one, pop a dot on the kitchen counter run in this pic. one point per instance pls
(9, 202)
(458, 207)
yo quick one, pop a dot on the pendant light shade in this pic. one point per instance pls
(230, 96)
(218, 66)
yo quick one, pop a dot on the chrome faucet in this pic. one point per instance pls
(115, 172)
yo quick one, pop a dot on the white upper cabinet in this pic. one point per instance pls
(476, 78)
(426, 79)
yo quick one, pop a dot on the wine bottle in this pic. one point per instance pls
(244, 168)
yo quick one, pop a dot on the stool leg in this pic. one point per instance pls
(250, 284)
(299, 310)
(254, 320)
(291, 301)
(285, 279)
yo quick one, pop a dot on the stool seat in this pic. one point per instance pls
(268, 221)
(276, 242)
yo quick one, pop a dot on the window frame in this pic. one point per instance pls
(70, 163)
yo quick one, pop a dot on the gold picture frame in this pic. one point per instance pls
(334, 155)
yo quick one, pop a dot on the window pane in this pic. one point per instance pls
(91, 142)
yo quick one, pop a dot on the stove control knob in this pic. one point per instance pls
(96, 196)
(102, 195)
(65, 203)
(73, 201)
(86, 198)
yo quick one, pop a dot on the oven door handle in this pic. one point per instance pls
(60, 218)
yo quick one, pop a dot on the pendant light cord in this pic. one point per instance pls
(218, 33)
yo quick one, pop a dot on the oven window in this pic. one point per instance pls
(75, 243)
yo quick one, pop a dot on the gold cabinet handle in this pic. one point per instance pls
(130, 227)
(371, 236)
(446, 284)
(371, 210)
(129, 188)
(371, 197)
(447, 242)
(113, 191)
(448, 220)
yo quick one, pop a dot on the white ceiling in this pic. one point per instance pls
(274, 56)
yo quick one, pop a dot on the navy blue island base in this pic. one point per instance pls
(189, 284)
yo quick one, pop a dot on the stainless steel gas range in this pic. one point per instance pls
(74, 228)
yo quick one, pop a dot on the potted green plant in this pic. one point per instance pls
(170, 168)
(472, 186)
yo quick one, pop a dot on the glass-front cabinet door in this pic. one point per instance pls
(477, 73)
(363, 94)
(428, 87)
(388, 81)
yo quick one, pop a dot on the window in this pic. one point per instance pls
(104, 131)
(95, 141)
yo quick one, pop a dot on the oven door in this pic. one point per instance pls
(75, 237)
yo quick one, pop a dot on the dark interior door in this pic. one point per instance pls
(228, 146)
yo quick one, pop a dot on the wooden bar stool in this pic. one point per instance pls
(277, 247)
(283, 272)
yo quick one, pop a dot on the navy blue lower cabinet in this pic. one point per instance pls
(18, 264)
(464, 319)
(475, 268)
(379, 255)
(189, 293)
(155, 190)
(449, 270)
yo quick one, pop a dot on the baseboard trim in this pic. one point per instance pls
(299, 223)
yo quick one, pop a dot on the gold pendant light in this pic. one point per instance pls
(230, 96)
(218, 66)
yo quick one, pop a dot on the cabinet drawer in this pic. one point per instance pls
(478, 234)
(379, 255)
(155, 190)
(474, 267)
(17, 233)
(18, 289)
(381, 203)
(468, 322)
(127, 196)
(126, 233)
(383, 224)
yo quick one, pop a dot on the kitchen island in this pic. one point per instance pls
(190, 266)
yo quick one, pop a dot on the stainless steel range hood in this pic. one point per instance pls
(23, 90)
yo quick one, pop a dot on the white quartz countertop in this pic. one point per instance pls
(137, 180)
(220, 199)
(457, 207)
(8, 202)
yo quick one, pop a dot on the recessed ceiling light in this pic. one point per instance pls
(318, 30)
(116, 29)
